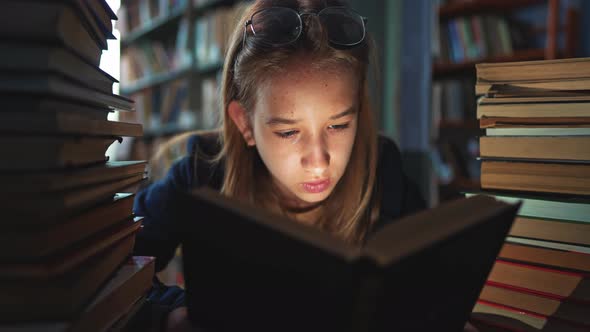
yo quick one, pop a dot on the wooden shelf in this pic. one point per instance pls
(163, 78)
(440, 70)
(154, 80)
(171, 19)
(474, 7)
(154, 26)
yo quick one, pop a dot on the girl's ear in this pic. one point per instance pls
(240, 118)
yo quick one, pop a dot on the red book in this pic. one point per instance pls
(495, 315)
(576, 313)
(548, 282)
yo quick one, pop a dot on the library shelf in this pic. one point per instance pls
(155, 79)
(154, 26)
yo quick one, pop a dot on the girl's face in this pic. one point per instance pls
(304, 126)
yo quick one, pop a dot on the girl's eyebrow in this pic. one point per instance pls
(279, 120)
(349, 111)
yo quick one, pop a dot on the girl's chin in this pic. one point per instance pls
(299, 199)
(313, 198)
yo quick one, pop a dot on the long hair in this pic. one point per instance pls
(352, 207)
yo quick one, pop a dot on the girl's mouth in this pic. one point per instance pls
(315, 187)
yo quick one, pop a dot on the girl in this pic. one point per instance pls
(297, 135)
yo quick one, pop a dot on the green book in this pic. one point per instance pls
(572, 209)
(470, 45)
(548, 244)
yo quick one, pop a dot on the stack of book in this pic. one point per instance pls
(68, 228)
(537, 150)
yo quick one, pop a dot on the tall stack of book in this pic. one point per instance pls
(537, 150)
(68, 228)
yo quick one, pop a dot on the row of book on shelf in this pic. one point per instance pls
(212, 32)
(211, 35)
(167, 106)
(475, 37)
(136, 14)
(149, 58)
(536, 117)
(162, 105)
(69, 227)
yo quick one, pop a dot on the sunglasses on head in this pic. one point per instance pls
(279, 26)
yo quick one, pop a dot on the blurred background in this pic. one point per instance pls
(168, 58)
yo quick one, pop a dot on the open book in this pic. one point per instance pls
(246, 270)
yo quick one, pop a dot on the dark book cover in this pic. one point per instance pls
(248, 270)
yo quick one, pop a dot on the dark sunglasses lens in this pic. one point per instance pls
(343, 26)
(276, 25)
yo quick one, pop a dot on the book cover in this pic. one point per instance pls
(270, 274)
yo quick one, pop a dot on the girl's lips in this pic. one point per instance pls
(315, 187)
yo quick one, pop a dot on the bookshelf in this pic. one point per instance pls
(155, 80)
(155, 26)
(471, 32)
(171, 61)
(171, 57)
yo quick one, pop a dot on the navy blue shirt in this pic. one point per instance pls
(159, 236)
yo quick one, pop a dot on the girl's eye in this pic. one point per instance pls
(339, 126)
(286, 134)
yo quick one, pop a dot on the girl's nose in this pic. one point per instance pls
(316, 157)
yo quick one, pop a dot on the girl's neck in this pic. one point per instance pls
(292, 207)
(308, 215)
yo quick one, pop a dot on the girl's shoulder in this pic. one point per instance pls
(399, 195)
(389, 157)
(204, 144)
(199, 167)
(204, 148)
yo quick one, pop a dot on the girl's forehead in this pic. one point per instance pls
(307, 104)
(307, 82)
(311, 95)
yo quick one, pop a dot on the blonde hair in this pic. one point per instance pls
(348, 214)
